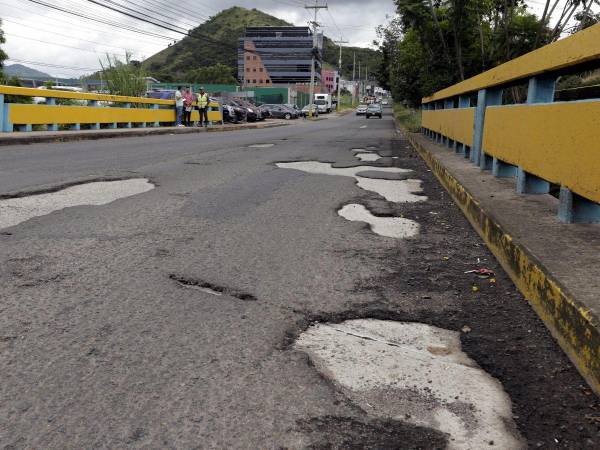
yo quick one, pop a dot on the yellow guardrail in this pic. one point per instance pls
(95, 110)
(542, 143)
(456, 124)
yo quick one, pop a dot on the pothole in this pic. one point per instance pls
(261, 145)
(378, 175)
(212, 288)
(414, 373)
(394, 227)
(403, 191)
(16, 210)
(367, 156)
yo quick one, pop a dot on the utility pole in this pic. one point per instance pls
(315, 24)
(354, 78)
(339, 103)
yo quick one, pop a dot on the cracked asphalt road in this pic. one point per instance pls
(101, 347)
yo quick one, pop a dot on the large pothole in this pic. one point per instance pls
(16, 210)
(394, 227)
(417, 374)
(397, 191)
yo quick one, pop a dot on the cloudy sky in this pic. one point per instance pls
(67, 45)
(63, 44)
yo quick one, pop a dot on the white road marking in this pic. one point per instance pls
(261, 145)
(394, 227)
(398, 191)
(364, 126)
(16, 210)
(414, 373)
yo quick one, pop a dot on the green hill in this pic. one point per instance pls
(215, 42)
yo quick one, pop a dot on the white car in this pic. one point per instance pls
(385, 102)
(361, 110)
(42, 100)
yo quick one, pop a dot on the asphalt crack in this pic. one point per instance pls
(212, 288)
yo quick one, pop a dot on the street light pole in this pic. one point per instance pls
(315, 24)
(339, 103)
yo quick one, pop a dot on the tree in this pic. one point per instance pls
(123, 78)
(3, 55)
(435, 43)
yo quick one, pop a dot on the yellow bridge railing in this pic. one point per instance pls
(542, 143)
(92, 110)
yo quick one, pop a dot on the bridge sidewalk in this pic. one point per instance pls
(34, 137)
(555, 265)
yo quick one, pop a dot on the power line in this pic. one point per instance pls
(100, 20)
(55, 43)
(55, 66)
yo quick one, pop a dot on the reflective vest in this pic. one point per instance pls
(202, 100)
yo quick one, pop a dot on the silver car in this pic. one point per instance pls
(361, 110)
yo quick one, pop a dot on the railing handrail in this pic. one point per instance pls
(55, 93)
(579, 48)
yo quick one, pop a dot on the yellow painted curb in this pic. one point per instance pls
(573, 325)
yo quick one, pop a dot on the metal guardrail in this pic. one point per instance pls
(542, 143)
(96, 111)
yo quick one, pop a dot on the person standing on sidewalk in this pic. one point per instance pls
(178, 107)
(203, 107)
(188, 101)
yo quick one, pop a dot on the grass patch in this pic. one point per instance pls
(409, 118)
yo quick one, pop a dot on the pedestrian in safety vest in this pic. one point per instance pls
(203, 107)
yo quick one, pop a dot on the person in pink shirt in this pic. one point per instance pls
(188, 100)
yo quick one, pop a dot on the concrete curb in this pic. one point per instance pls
(69, 136)
(573, 325)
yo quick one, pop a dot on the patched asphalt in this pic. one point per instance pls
(103, 344)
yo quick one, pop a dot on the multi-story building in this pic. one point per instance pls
(277, 55)
(329, 80)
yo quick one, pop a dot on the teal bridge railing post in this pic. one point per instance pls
(485, 97)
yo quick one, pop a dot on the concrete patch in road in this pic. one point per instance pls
(415, 373)
(16, 210)
(403, 191)
(394, 227)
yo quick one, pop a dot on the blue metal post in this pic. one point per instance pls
(5, 124)
(576, 209)
(94, 126)
(485, 98)
(51, 126)
(127, 105)
(156, 123)
(540, 90)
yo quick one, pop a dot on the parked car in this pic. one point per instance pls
(253, 113)
(374, 109)
(385, 102)
(236, 113)
(294, 107)
(361, 110)
(279, 111)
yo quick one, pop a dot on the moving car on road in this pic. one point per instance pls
(374, 109)
(361, 110)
